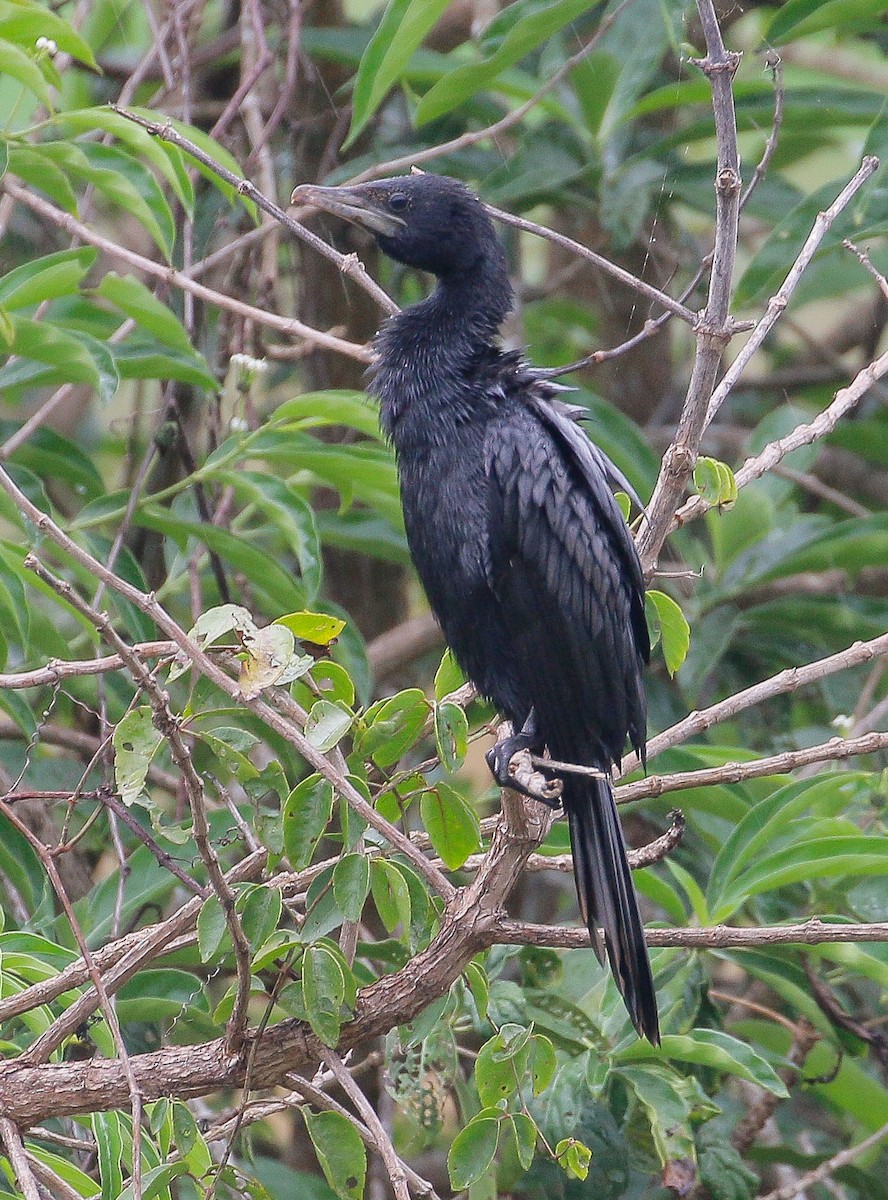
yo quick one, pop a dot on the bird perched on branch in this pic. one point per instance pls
(513, 527)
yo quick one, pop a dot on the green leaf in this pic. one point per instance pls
(667, 1099)
(798, 18)
(393, 727)
(340, 1152)
(210, 147)
(25, 26)
(318, 628)
(448, 677)
(715, 482)
(260, 910)
(155, 1181)
(327, 724)
(351, 884)
(524, 36)
(543, 1062)
(289, 511)
(594, 79)
(390, 894)
(525, 1130)
(47, 343)
(135, 741)
(782, 818)
(451, 735)
(817, 858)
(479, 986)
(306, 815)
(724, 1174)
(132, 297)
(145, 148)
(573, 1157)
(140, 357)
(108, 1133)
(498, 1073)
(473, 1150)
(451, 823)
(403, 27)
(19, 66)
(669, 622)
(211, 928)
(264, 572)
(323, 992)
(336, 406)
(40, 172)
(710, 1048)
(121, 179)
(46, 278)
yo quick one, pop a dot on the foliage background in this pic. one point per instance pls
(210, 452)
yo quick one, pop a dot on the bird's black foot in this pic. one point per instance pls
(509, 762)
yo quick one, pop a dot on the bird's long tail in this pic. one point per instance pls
(607, 897)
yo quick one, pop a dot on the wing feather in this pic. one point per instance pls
(562, 560)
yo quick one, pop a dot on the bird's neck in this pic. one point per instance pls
(427, 352)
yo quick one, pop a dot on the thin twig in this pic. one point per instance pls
(780, 684)
(348, 264)
(286, 325)
(604, 264)
(803, 435)
(118, 961)
(57, 669)
(205, 665)
(778, 302)
(835, 750)
(382, 1143)
(805, 1037)
(826, 1169)
(168, 726)
(772, 61)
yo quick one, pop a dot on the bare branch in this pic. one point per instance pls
(805, 1038)
(604, 264)
(834, 750)
(202, 661)
(803, 435)
(18, 1159)
(57, 669)
(178, 279)
(168, 726)
(716, 937)
(778, 302)
(382, 1143)
(713, 330)
(348, 264)
(789, 680)
(826, 1169)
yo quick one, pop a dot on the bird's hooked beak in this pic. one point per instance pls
(356, 204)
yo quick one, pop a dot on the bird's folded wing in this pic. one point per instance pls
(562, 562)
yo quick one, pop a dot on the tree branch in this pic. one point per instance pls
(178, 279)
(792, 1191)
(713, 330)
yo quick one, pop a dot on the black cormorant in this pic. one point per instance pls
(522, 549)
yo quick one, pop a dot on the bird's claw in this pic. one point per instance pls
(511, 767)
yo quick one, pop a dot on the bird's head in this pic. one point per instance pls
(431, 222)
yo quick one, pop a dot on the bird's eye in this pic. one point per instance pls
(398, 201)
